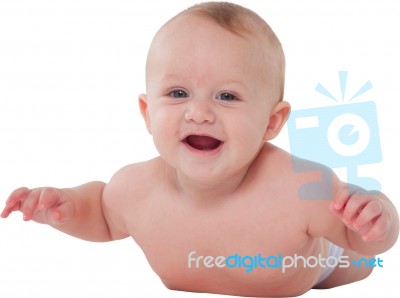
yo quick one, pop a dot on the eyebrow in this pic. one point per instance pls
(173, 76)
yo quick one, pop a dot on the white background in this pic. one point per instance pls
(70, 73)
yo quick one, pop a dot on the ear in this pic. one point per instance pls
(277, 119)
(144, 111)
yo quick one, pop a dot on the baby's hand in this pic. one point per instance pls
(44, 205)
(363, 212)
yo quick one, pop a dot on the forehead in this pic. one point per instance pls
(199, 43)
(194, 34)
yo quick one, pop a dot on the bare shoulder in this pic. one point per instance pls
(133, 180)
(311, 187)
(313, 181)
(128, 187)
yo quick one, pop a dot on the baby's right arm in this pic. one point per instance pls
(78, 211)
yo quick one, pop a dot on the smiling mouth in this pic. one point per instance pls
(202, 143)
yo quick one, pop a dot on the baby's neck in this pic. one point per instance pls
(208, 192)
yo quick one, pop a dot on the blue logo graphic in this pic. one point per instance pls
(251, 262)
(344, 135)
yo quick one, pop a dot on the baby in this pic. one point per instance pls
(219, 210)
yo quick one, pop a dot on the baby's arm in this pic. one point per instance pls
(78, 211)
(370, 217)
(364, 221)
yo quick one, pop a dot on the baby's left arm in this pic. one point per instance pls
(370, 217)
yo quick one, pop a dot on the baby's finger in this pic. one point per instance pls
(49, 197)
(9, 209)
(13, 202)
(353, 207)
(379, 230)
(343, 195)
(59, 214)
(341, 198)
(18, 195)
(371, 211)
(29, 205)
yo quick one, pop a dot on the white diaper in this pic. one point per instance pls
(335, 251)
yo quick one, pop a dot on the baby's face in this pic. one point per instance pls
(209, 98)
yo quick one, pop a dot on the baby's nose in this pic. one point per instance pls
(199, 111)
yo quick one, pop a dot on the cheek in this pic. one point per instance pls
(250, 130)
(156, 116)
(164, 123)
(160, 131)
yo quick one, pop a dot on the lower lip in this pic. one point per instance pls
(204, 152)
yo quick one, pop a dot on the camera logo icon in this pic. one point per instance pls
(344, 135)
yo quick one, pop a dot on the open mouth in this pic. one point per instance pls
(202, 143)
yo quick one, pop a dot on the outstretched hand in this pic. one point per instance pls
(363, 211)
(44, 205)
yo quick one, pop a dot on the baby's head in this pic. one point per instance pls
(214, 80)
(244, 23)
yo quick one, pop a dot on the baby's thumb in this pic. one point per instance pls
(59, 214)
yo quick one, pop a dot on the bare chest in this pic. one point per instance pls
(200, 249)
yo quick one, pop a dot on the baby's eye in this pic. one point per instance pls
(226, 96)
(179, 94)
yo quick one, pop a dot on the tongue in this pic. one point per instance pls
(203, 142)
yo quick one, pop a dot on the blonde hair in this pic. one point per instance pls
(243, 21)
